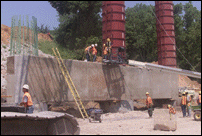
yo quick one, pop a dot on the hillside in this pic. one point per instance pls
(5, 46)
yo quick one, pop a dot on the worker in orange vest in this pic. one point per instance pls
(87, 51)
(94, 52)
(149, 104)
(171, 110)
(183, 104)
(199, 98)
(105, 50)
(109, 46)
(27, 100)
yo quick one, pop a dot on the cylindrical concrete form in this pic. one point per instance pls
(165, 33)
(113, 13)
(158, 33)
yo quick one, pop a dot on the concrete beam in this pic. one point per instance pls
(93, 81)
(166, 69)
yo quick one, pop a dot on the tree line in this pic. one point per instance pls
(81, 25)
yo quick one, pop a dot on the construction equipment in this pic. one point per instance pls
(197, 112)
(95, 114)
(189, 90)
(70, 84)
(117, 57)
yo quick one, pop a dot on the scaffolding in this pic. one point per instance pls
(24, 39)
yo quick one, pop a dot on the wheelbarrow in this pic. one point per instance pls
(94, 114)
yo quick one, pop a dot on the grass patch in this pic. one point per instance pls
(46, 47)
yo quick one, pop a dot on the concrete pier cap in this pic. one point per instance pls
(94, 82)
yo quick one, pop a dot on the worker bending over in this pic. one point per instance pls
(149, 104)
(87, 51)
(27, 100)
(94, 52)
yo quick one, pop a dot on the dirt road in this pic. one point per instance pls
(136, 123)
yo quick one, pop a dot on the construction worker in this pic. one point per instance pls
(199, 98)
(105, 50)
(149, 104)
(188, 103)
(27, 100)
(108, 44)
(171, 110)
(94, 52)
(183, 104)
(87, 51)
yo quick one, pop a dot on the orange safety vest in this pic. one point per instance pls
(94, 51)
(199, 98)
(105, 50)
(149, 101)
(88, 49)
(29, 102)
(172, 110)
(184, 100)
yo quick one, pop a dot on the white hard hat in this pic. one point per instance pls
(147, 92)
(92, 45)
(96, 45)
(26, 86)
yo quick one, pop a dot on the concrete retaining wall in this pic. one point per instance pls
(94, 81)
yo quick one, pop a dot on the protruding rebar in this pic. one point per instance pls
(26, 40)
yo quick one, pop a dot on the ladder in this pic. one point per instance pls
(70, 84)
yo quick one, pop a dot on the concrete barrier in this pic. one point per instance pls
(163, 121)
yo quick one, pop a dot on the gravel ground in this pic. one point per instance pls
(136, 123)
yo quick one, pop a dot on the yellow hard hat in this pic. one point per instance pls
(169, 105)
(199, 92)
(183, 93)
(147, 92)
(103, 45)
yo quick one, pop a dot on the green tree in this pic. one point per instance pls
(190, 44)
(141, 37)
(79, 20)
(179, 31)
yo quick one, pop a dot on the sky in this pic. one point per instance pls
(48, 15)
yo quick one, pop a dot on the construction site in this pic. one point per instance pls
(63, 91)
